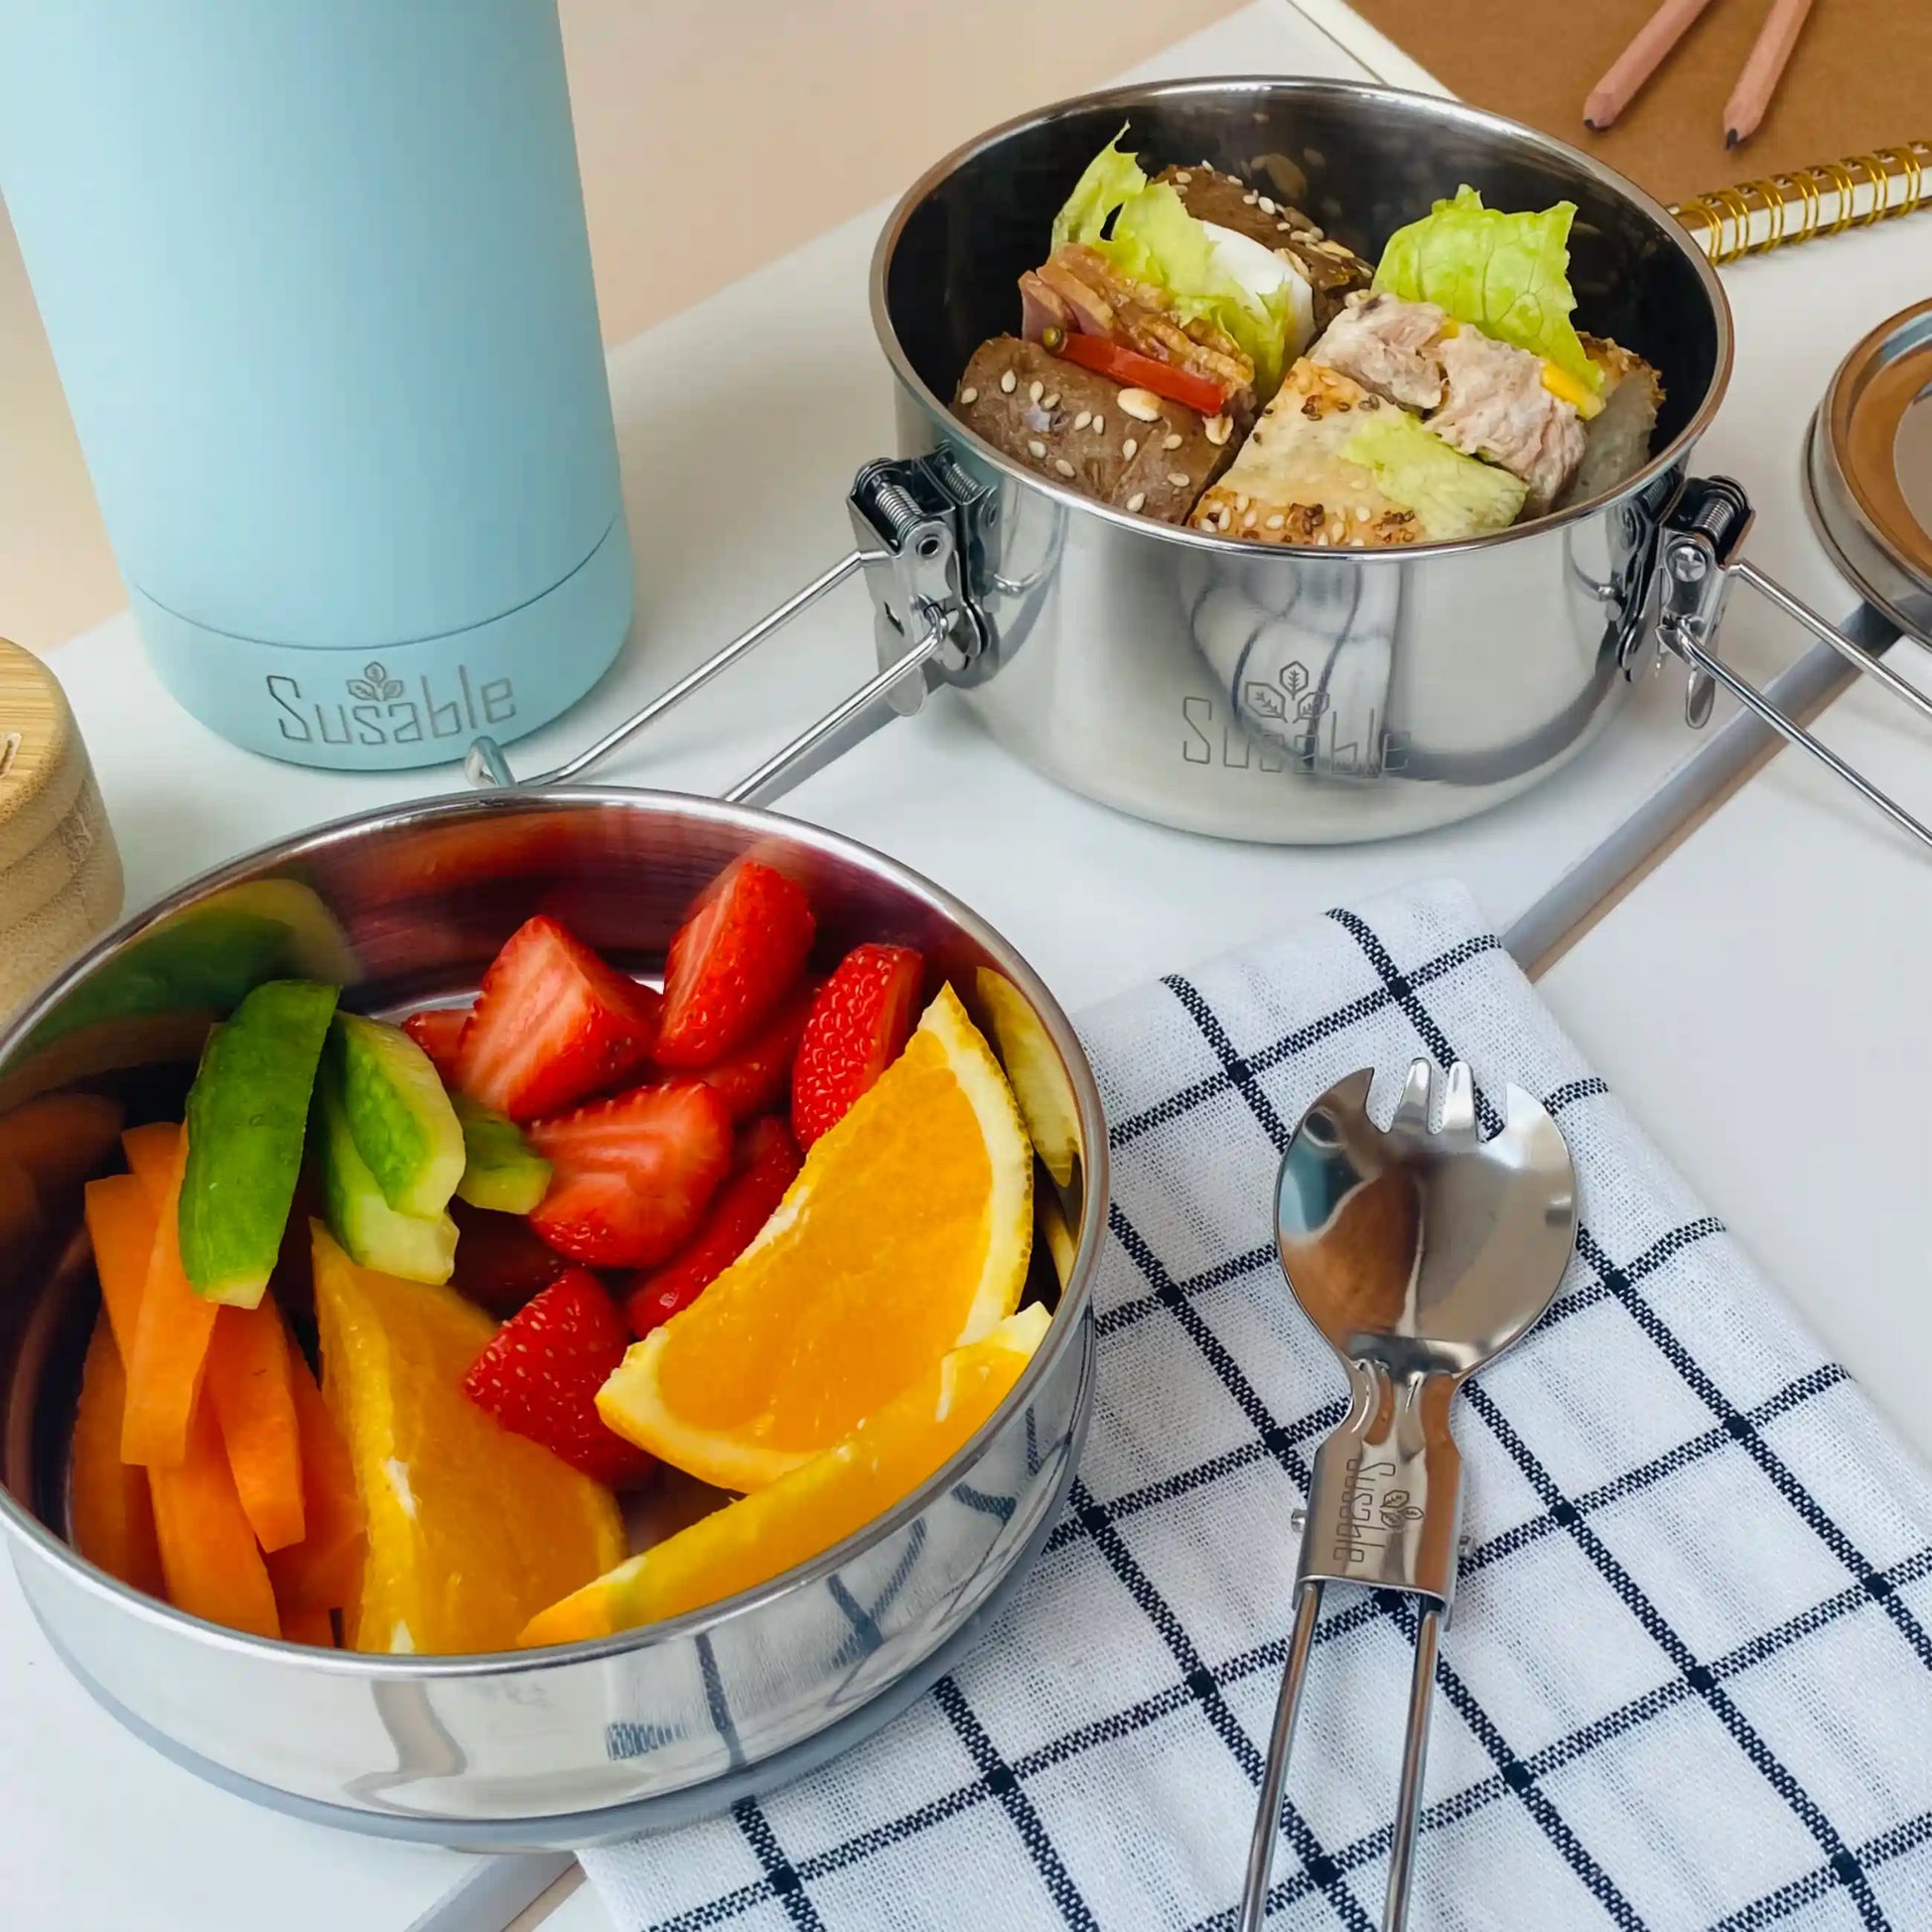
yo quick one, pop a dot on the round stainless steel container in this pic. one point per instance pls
(1278, 693)
(593, 1740)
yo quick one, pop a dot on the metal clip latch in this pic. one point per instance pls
(1699, 563)
(916, 522)
(1704, 529)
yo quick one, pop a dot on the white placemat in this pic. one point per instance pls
(1687, 1684)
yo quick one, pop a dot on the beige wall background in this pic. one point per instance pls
(773, 120)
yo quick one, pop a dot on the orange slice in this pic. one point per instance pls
(817, 1505)
(471, 1529)
(907, 1233)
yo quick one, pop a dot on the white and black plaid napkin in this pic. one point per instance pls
(1686, 1682)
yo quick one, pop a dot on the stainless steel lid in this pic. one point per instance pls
(1868, 468)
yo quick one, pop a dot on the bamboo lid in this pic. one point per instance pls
(60, 869)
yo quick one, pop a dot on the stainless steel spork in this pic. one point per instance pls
(1420, 1253)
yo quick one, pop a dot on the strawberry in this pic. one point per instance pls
(751, 1079)
(438, 1030)
(634, 1174)
(499, 1262)
(765, 1163)
(738, 954)
(540, 1374)
(857, 1028)
(552, 1024)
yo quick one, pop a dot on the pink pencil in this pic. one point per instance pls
(1751, 97)
(1639, 61)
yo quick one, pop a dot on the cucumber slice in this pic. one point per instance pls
(404, 1127)
(314, 943)
(503, 1170)
(208, 957)
(416, 1247)
(246, 1114)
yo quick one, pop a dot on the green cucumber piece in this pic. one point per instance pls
(402, 1122)
(204, 960)
(503, 1170)
(313, 944)
(416, 1247)
(208, 956)
(247, 1115)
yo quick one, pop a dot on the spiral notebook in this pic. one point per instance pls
(1860, 84)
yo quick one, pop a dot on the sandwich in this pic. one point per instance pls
(1447, 400)
(1160, 334)
(1193, 351)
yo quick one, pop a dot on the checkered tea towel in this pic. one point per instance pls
(1687, 1682)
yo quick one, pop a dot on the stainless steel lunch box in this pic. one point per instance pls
(1286, 693)
(564, 1747)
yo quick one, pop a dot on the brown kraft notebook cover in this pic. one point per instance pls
(1859, 79)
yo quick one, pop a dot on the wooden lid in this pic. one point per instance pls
(59, 870)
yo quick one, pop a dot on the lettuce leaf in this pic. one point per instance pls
(1505, 274)
(1155, 239)
(1111, 177)
(1452, 495)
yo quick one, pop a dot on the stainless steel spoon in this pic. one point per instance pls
(1421, 1255)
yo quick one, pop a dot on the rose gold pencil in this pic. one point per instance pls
(1639, 61)
(1751, 97)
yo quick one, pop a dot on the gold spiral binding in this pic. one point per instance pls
(1824, 199)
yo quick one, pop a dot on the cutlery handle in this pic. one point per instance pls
(1414, 1756)
(1274, 1775)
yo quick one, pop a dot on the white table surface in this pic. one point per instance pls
(719, 406)
(1760, 1002)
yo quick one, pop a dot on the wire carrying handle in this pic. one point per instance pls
(918, 526)
(1699, 564)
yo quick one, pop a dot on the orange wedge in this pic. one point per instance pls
(907, 1235)
(471, 1529)
(818, 1505)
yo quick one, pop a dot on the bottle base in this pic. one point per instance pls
(397, 707)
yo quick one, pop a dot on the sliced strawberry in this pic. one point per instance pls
(858, 1026)
(755, 1077)
(501, 1263)
(540, 1374)
(438, 1030)
(766, 1163)
(634, 1174)
(738, 952)
(552, 1024)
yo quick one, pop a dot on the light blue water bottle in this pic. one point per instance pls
(316, 278)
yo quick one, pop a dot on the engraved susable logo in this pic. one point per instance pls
(378, 709)
(1368, 1516)
(1288, 723)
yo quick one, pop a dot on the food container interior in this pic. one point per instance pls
(1364, 161)
(406, 909)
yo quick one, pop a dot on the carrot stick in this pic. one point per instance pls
(59, 1137)
(207, 1551)
(151, 1151)
(248, 1384)
(170, 1342)
(112, 1514)
(324, 1571)
(316, 1627)
(121, 1221)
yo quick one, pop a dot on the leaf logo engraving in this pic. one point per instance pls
(375, 685)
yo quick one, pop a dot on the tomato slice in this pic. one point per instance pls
(1132, 369)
